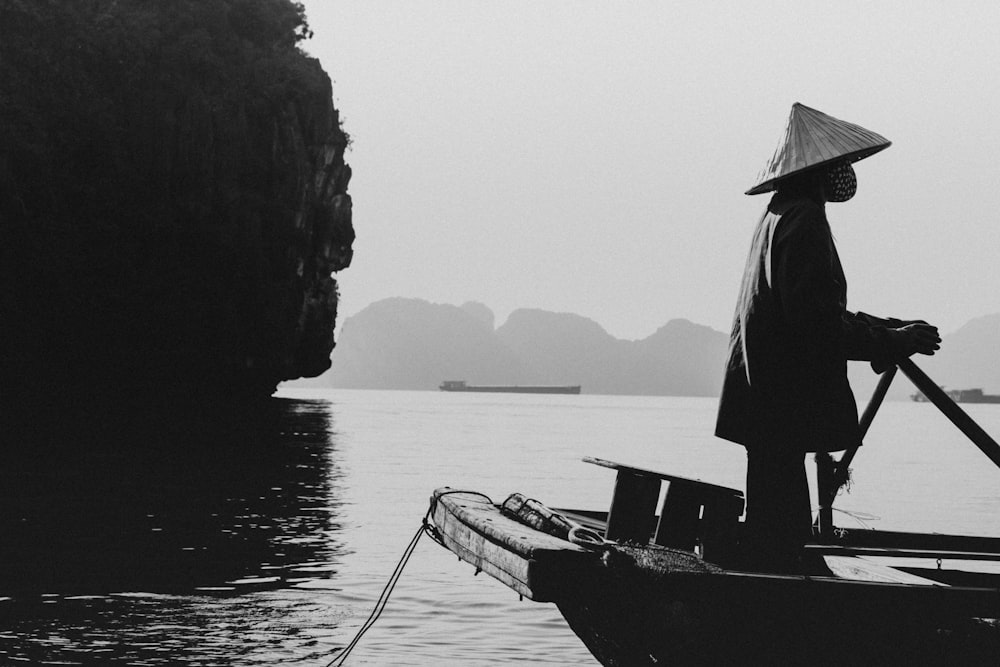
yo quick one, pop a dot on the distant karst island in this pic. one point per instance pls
(173, 199)
(414, 344)
(405, 343)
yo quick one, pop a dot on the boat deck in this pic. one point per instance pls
(480, 533)
(887, 556)
(632, 600)
(662, 577)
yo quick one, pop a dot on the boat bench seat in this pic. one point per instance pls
(693, 512)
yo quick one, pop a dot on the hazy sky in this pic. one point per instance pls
(591, 157)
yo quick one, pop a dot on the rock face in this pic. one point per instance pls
(173, 196)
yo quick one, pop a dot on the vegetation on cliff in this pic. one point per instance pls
(173, 195)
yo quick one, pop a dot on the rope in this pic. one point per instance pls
(383, 599)
(425, 527)
(860, 517)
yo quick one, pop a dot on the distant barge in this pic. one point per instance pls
(963, 396)
(460, 385)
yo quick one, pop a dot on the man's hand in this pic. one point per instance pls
(915, 337)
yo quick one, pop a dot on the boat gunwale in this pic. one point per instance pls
(555, 546)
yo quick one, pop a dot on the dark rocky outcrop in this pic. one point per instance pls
(173, 197)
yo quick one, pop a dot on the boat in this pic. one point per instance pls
(962, 396)
(651, 582)
(972, 396)
(919, 397)
(461, 385)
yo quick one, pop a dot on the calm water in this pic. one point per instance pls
(265, 535)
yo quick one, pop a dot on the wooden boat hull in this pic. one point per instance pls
(652, 605)
(759, 620)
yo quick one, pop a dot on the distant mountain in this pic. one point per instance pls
(413, 344)
(693, 356)
(680, 359)
(560, 348)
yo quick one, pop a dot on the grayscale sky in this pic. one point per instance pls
(591, 157)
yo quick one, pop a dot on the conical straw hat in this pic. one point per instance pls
(812, 139)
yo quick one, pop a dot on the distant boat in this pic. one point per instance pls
(460, 385)
(972, 396)
(963, 396)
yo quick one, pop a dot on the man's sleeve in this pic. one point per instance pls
(810, 296)
(866, 338)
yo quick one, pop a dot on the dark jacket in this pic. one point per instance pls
(795, 333)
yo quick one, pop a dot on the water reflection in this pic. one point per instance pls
(218, 501)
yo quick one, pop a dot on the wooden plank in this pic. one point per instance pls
(633, 507)
(837, 550)
(859, 569)
(620, 467)
(485, 518)
(885, 540)
(532, 563)
(720, 525)
(888, 539)
(679, 518)
(506, 567)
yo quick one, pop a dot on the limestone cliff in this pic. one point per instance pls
(173, 196)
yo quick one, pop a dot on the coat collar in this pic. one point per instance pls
(782, 201)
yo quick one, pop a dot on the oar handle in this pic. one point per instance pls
(843, 466)
(951, 410)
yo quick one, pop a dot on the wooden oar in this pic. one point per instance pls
(831, 481)
(958, 417)
(831, 475)
(867, 416)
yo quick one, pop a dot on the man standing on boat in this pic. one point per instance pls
(786, 391)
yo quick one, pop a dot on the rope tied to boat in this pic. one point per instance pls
(426, 527)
